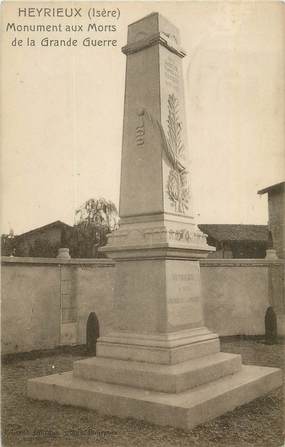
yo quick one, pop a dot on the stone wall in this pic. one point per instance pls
(94, 294)
(237, 292)
(46, 302)
(30, 310)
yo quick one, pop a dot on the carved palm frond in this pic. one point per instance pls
(177, 184)
(173, 160)
(174, 127)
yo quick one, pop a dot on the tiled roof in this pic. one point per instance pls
(232, 232)
(277, 186)
(57, 223)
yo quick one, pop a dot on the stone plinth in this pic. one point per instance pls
(160, 363)
(182, 410)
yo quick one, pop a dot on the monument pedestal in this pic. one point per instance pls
(160, 363)
(182, 409)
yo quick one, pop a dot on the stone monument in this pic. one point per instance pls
(160, 363)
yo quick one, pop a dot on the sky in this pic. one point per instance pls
(62, 111)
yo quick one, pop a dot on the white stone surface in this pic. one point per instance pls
(181, 410)
(153, 376)
(162, 349)
(160, 295)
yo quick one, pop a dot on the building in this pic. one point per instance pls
(43, 241)
(276, 215)
(237, 241)
(230, 240)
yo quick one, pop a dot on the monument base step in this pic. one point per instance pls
(188, 345)
(153, 376)
(182, 410)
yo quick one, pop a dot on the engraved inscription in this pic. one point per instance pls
(177, 300)
(140, 135)
(171, 74)
(184, 299)
(183, 276)
(140, 130)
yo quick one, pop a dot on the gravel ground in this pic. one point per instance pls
(32, 423)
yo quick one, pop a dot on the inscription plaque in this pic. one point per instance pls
(171, 72)
(184, 296)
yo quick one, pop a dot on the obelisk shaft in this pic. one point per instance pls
(155, 198)
(155, 167)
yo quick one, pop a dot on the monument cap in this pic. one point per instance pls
(150, 30)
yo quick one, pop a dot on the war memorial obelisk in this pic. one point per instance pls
(160, 363)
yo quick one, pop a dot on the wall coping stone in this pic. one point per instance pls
(216, 262)
(57, 261)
